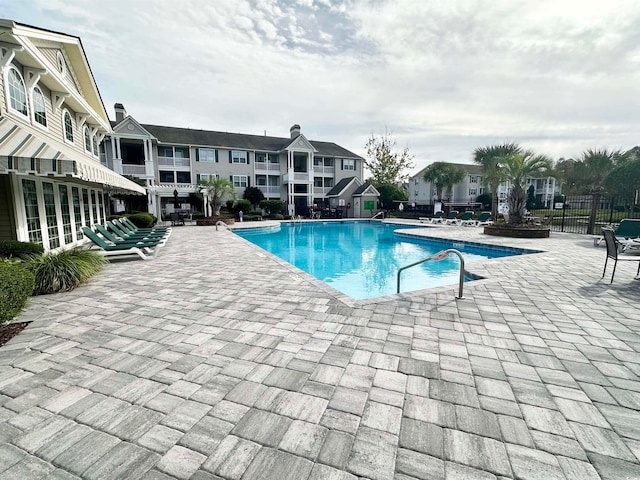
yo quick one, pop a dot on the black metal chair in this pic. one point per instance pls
(613, 247)
(176, 219)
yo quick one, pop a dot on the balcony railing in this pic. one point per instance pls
(296, 177)
(267, 167)
(138, 170)
(269, 190)
(174, 162)
(321, 191)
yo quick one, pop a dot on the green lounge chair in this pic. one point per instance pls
(436, 215)
(483, 219)
(626, 233)
(465, 217)
(133, 243)
(132, 226)
(451, 218)
(126, 234)
(111, 250)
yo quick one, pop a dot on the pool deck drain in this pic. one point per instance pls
(211, 362)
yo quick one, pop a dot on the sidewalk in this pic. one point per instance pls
(218, 360)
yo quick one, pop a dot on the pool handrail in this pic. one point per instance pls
(441, 255)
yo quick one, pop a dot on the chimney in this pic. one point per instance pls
(295, 131)
(120, 112)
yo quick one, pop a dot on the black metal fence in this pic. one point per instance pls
(573, 215)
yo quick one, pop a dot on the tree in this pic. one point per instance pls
(624, 177)
(444, 176)
(390, 193)
(490, 159)
(215, 191)
(485, 200)
(516, 169)
(385, 164)
(594, 167)
(254, 195)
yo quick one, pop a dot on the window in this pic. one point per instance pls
(261, 157)
(273, 181)
(31, 208)
(239, 181)
(77, 213)
(205, 177)
(95, 145)
(86, 207)
(87, 139)
(328, 162)
(50, 212)
(94, 207)
(168, 152)
(300, 188)
(207, 155)
(62, 65)
(17, 92)
(273, 158)
(39, 108)
(328, 182)
(261, 180)
(184, 177)
(473, 191)
(181, 152)
(473, 179)
(317, 161)
(348, 164)
(238, 157)
(167, 177)
(317, 181)
(68, 126)
(66, 214)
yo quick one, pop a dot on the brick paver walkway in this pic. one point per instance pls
(216, 360)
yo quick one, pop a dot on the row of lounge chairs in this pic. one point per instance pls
(455, 218)
(122, 237)
(627, 235)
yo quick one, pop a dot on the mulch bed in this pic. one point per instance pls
(7, 332)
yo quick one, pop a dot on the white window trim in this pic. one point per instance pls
(33, 110)
(64, 128)
(349, 164)
(239, 156)
(213, 150)
(86, 133)
(10, 108)
(61, 64)
(241, 177)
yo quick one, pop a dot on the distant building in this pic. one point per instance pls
(296, 170)
(52, 121)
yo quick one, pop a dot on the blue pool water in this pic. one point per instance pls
(361, 259)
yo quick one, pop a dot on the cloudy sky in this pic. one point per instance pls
(443, 76)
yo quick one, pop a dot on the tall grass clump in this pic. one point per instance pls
(64, 270)
(16, 285)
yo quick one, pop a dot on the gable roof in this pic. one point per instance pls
(470, 168)
(362, 189)
(342, 185)
(240, 141)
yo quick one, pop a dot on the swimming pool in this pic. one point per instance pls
(361, 259)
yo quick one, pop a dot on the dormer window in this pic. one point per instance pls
(17, 92)
(39, 108)
(62, 65)
(68, 126)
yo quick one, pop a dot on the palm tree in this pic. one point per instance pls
(215, 189)
(490, 159)
(595, 166)
(443, 175)
(516, 169)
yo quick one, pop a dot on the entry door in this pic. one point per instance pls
(301, 205)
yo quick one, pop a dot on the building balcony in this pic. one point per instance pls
(269, 191)
(267, 167)
(295, 177)
(321, 191)
(324, 171)
(174, 162)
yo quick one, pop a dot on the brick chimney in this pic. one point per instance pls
(295, 131)
(120, 112)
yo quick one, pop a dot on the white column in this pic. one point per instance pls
(119, 154)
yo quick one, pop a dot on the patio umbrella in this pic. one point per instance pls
(176, 205)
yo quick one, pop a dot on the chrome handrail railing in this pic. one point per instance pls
(437, 257)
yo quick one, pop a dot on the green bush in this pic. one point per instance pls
(244, 205)
(252, 218)
(272, 206)
(13, 248)
(143, 220)
(197, 215)
(64, 270)
(16, 285)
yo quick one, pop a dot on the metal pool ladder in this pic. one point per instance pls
(437, 257)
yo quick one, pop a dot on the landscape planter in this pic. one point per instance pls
(211, 221)
(517, 231)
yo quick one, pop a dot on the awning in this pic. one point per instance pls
(22, 152)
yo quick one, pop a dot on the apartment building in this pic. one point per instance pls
(52, 121)
(172, 160)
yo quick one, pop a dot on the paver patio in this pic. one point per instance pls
(217, 360)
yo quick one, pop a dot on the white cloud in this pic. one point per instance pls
(445, 77)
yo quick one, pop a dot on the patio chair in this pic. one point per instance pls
(436, 216)
(451, 218)
(464, 218)
(176, 219)
(627, 231)
(132, 226)
(612, 253)
(108, 250)
(483, 219)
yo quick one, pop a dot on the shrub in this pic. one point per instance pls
(64, 270)
(13, 248)
(244, 205)
(272, 206)
(252, 218)
(143, 220)
(16, 285)
(197, 215)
